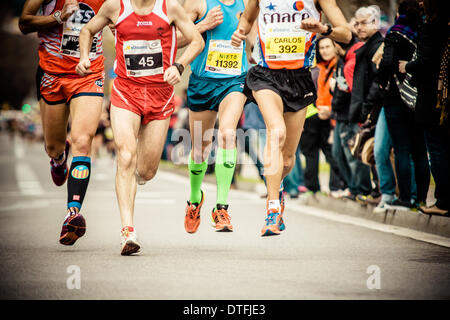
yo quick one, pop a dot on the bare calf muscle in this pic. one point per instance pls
(62, 92)
(281, 82)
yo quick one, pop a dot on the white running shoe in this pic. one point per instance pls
(129, 241)
(398, 205)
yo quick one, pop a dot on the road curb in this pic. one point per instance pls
(406, 219)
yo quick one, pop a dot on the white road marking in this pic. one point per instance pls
(28, 205)
(27, 180)
(19, 151)
(361, 222)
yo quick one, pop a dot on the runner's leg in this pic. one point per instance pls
(271, 107)
(152, 137)
(125, 125)
(294, 122)
(55, 118)
(199, 123)
(230, 111)
(85, 112)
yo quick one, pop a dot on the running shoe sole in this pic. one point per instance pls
(76, 228)
(282, 225)
(224, 229)
(269, 232)
(130, 247)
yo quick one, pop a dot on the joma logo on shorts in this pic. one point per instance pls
(285, 17)
(144, 23)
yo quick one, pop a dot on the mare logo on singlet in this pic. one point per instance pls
(285, 17)
(82, 16)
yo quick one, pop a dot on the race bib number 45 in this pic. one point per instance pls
(143, 58)
(223, 58)
(285, 43)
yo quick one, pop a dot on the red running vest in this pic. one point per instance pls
(146, 45)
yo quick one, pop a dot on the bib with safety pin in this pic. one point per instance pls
(223, 58)
(143, 57)
(285, 41)
(70, 45)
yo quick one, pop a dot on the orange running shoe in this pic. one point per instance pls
(221, 218)
(192, 218)
(272, 227)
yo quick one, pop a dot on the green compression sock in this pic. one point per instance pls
(225, 165)
(196, 173)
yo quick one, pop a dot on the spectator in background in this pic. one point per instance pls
(406, 135)
(294, 182)
(366, 98)
(255, 129)
(317, 129)
(354, 172)
(169, 144)
(432, 43)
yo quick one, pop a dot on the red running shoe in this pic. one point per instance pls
(60, 172)
(73, 228)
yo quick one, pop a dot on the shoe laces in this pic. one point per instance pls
(126, 232)
(223, 216)
(271, 217)
(192, 210)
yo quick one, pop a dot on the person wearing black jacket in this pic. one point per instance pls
(365, 91)
(365, 100)
(433, 37)
(407, 136)
(354, 172)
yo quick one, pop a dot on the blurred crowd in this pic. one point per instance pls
(381, 116)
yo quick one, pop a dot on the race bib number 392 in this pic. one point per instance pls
(223, 58)
(143, 58)
(285, 42)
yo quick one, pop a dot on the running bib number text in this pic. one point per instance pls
(70, 42)
(143, 58)
(285, 43)
(223, 58)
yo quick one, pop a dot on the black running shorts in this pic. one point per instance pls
(295, 87)
(39, 75)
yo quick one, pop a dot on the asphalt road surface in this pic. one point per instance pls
(314, 258)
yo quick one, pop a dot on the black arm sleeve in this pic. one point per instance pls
(424, 59)
(389, 62)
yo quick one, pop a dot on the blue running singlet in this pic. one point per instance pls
(219, 59)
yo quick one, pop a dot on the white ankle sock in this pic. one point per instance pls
(274, 204)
